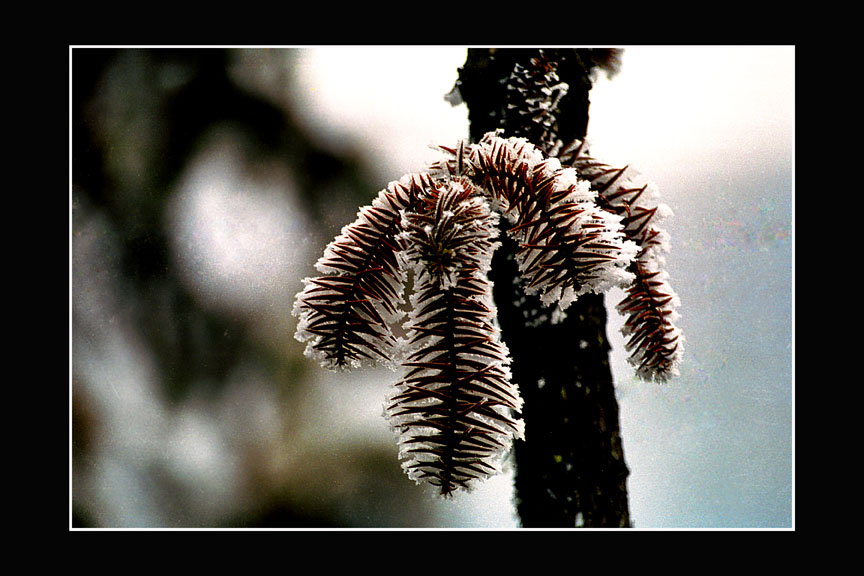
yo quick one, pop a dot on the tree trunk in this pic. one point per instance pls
(570, 470)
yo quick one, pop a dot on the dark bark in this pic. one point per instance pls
(570, 470)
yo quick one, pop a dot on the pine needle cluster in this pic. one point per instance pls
(581, 227)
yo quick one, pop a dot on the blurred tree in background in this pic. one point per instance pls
(190, 400)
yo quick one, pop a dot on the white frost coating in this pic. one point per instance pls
(453, 330)
(607, 226)
(642, 356)
(650, 305)
(344, 316)
(556, 282)
(580, 226)
(651, 262)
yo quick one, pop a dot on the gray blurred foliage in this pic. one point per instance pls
(192, 407)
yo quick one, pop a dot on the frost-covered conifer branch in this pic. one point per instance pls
(650, 306)
(579, 229)
(568, 245)
(453, 408)
(654, 342)
(533, 93)
(345, 314)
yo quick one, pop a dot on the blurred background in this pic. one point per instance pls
(205, 185)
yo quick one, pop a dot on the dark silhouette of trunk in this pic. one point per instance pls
(570, 470)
